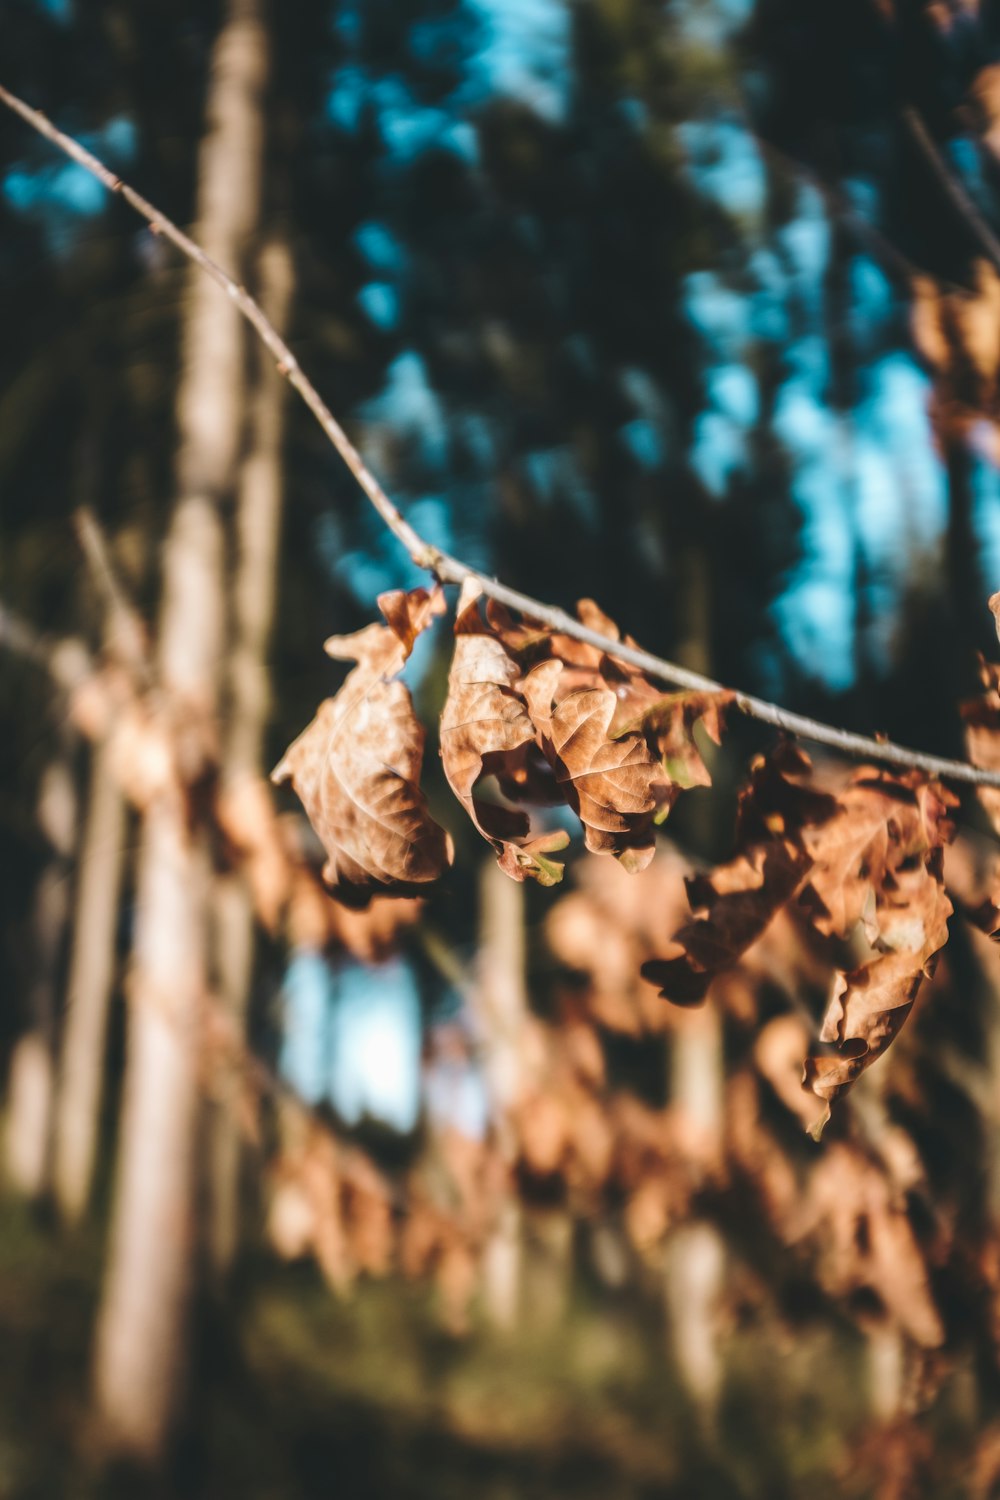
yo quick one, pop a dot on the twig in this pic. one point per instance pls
(450, 569)
(125, 626)
(21, 639)
(66, 661)
(953, 189)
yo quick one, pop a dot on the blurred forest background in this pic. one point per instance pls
(692, 306)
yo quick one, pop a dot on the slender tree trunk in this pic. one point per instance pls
(89, 988)
(695, 1253)
(258, 517)
(142, 1326)
(547, 1270)
(502, 1011)
(29, 1111)
(886, 1372)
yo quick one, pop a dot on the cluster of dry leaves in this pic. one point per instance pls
(536, 718)
(836, 884)
(843, 1214)
(328, 1199)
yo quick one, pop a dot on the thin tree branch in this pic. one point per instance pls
(951, 186)
(125, 627)
(66, 661)
(450, 569)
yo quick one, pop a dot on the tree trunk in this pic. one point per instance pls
(695, 1253)
(501, 1013)
(258, 517)
(32, 1066)
(89, 988)
(143, 1320)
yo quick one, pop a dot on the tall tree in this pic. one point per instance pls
(33, 1061)
(141, 1336)
(258, 517)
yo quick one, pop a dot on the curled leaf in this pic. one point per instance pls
(357, 766)
(982, 737)
(606, 781)
(738, 902)
(880, 858)
(741, 898)
(486, 730)
(667, 722)
(869, 1005)
(641, 711)
(882, 823)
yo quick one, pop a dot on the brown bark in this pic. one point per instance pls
(142, 1326)
(502, 1013)
(89, 988)
(258, 516)
(695, 1252)
(32, 1066)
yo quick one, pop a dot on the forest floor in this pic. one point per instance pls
(298, 1395)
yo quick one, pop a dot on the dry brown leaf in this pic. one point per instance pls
(985, 90)
(368, 1215)
(927, 321)
(978, 325)
(892, 874)
(648, 1213)
(372, 935)
(778, 1053)
(666, 721)
(305, 1209)
(869, 1006)
(982, 737)
(956, 331)
(582, 1049)
(668, 724)
(485, 730)
(881, 824)
(593, 1143)
(246, 817)
(849, 855)
(740, 899)
(357, 766)
(544, 1131)
(755, 1151)
(606, 781)
(864, 1239)
(906, 921)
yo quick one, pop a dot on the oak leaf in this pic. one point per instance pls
(882, 824)
(665, 720)
(741, 898)
(486, 730)
(246, 818)
(606, 781)
(879, 859)
(356, 768)
(856, 1219)
(869, 1005)
(982, 738)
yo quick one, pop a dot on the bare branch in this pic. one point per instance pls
(951, 186)
(450, 569)
(125, 626)
(66, 661)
